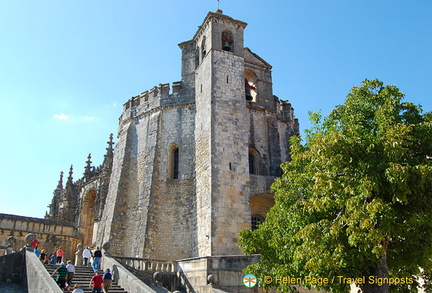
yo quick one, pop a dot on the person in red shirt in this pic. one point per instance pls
(96, 283)
(59, 254)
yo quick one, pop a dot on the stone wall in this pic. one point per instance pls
(124, 278)
(38, 278)
(204, 274)
(13, 269)
(50, 233)
(144, 204)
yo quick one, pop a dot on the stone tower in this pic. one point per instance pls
(194, 160)
(193, 166)
(221, 136)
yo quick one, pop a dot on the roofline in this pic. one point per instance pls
(218, 15)
(258, 57)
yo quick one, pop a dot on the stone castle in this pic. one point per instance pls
(193, 162)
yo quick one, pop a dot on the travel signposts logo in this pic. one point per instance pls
(250, 280)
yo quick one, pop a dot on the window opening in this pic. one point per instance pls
(254, 161)
(227, 41)
(197, 57)
(173, 162)
(248, 88)
(176, 164)
(203, 48)
(256, 220)
(250, 79)
(251, 164)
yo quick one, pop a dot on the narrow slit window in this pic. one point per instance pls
(176, 164)
(173, 163)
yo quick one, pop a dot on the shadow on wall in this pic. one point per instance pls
(13, 272)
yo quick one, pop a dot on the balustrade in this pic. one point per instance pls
(149, 265)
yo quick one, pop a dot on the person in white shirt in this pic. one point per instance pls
(86, 256)
(70, 273)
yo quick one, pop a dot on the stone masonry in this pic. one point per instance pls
(220, 130)
(193, 162)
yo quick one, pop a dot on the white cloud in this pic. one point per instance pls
(88, 118)
(61, 116)
(76, 119)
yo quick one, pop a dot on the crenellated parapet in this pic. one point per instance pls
(285, 109)
(157, 96)
(281, 109)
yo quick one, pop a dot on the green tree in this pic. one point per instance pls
(355, 201)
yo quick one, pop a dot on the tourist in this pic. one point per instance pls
(53, 258)
(37, 250)
(97, 255)
(61, 276)
(107, 280)
(46, 259)
(59, 254)
(77, 289)
(42, 256)
(96, 283)
(70, 273)
(86, 256)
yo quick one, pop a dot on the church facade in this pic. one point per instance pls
(194, 160)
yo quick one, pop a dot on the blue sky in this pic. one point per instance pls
(67, 67)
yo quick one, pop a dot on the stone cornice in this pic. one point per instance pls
(217, 16)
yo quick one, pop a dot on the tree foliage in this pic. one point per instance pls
(355, 201)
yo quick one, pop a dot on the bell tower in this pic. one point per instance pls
(221, 135)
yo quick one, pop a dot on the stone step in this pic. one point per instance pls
(83, 276)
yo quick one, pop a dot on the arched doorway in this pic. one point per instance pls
(87, 215)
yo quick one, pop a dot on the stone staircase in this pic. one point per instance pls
(83, 276)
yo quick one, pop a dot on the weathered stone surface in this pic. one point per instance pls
(50, 233)
(190, 167)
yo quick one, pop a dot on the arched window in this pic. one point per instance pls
(254, 161)
(173, 164)
(256, 220)
(227, 41)
(251, 91)
(260, 204)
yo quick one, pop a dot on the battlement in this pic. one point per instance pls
(282, 109)
(155, 95)
(285, 109)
